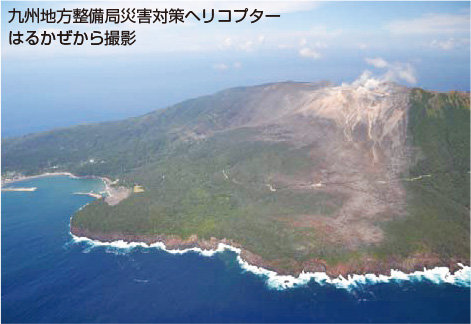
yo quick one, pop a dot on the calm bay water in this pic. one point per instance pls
(46, 277)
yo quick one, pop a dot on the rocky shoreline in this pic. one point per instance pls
(360, 266)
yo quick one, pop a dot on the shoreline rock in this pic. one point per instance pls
(361, 266)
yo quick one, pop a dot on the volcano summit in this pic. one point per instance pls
(355, 178)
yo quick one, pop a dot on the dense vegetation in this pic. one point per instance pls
(438, 206)
(202, 176)
(187, 193)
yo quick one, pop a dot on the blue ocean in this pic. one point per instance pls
(49, 277)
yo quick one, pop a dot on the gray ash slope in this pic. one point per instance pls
(301, 175)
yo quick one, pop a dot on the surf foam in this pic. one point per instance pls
(274, 280)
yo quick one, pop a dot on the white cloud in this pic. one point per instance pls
(220, 66)
(377, 62)
(247, 46)
(323, 32)
(227, 41)
(437, 24)
(404, 72)
(309, 53)
(283, 46)
(449, 43)
(444, 45)
(300, 38)
(320, 45)
(224, 66)
(308, 43)
(242, 43)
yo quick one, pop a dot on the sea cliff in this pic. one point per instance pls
(361, 266)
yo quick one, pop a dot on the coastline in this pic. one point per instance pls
(275, 280)
(343, 275)
(107, 182)
(46, 174)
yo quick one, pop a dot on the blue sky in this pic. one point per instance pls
(424, 44)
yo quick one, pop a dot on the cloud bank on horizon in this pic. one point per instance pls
(423, 44)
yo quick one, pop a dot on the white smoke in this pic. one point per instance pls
(395, 72)
(391, 72)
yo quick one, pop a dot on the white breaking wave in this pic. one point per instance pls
(274, 280)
